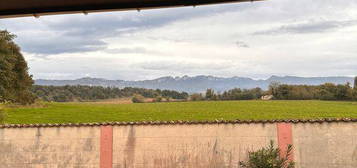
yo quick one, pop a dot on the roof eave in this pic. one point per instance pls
(108, 7)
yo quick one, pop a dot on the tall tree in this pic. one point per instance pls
(209, 94)
(354, 93)
(273, 86)
(15, 82)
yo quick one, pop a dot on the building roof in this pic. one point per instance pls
(20, 8)
(213, 122)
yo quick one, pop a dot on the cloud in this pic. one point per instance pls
(308, 27)
(134, 50)
(78, 33)
(184, 66)
(242, 44)
(283, 37)
(63, 44)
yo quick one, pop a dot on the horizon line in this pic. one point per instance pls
(281, 76)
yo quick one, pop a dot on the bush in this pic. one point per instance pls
(137, 98)
(168, 99)
(268, 158)
(157, 99)
(196, 97)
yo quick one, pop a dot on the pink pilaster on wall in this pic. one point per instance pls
(285, 138)
(106, 147)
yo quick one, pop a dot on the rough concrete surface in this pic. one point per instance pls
(325, 145)
(76, 147)
(188, 146)
(316, 145)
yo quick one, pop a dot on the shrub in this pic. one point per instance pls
(168, 99)
(137, 98)
(269, 158)
(196, 97)
(158, 99)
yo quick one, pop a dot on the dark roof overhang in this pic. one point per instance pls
(20, 8)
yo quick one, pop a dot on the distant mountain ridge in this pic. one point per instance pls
(198, 83)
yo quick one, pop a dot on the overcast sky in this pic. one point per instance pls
(260, 39)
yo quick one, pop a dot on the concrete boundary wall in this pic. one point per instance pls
(328, 143)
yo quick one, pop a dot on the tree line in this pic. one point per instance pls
(80, 93)
(91, 93)
(233, 94)
(327, 91)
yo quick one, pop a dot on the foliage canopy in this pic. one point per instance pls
(15, 82)
(327, 91)
(81, 93)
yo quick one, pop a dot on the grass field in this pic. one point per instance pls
(228, 110)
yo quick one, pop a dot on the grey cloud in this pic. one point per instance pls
(77, 33)
(309, 27)
(62, 45)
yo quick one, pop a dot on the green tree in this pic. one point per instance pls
(354, 92)
(15, 82)
(209, 94)
(273, 86)
(344, 92)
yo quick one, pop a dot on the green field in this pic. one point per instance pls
(210, 110)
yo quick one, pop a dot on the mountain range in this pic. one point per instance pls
(197, 83)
